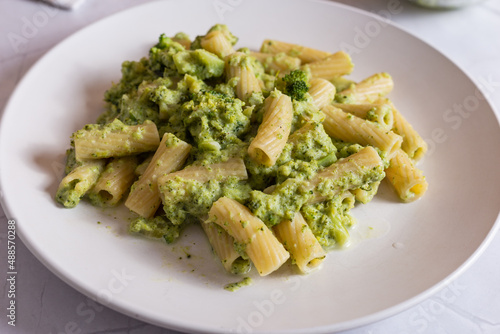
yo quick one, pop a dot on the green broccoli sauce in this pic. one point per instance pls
(157, 227)
(187, 199)
(237, 285)
(342, 83)
(199, 63)
(296, 85)
(71, 162)
(330, 220)
(330, 188)
(68, 196)
(241, 266)
(281, 204)
(183, 90)
(70, 193)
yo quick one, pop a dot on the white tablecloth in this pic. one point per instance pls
(470, 304)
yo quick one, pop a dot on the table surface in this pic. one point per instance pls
(469, 304)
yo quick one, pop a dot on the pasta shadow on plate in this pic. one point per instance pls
(52, 166)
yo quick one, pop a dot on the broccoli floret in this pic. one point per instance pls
(163, 42)
(296, 85)
(160, 55)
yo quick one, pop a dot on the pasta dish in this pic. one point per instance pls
(266, 150)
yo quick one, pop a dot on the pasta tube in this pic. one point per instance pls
(115, 140)
(223, 246)
(114, 182)
(299, 240)
(335, 65)
(305, 54)
(144, 198)
(238, 66)
(352, 172)
(264, 250)
(322, 92)
(380, 113)
(141, 168)
(78, 182)
(274, 130)
(370, 89)
(277, 63)
(222, 170)
(413, 144)
(408, 180)
(216, 42)
(350, 128)
(366, 194)
(234, 167)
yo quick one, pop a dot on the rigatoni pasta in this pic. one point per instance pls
(234, 167)
(223, 245)
(413, 144)
(277, 63)
(299, 240)
(350, 128)
(380, 113)
(305, 54)
(335, 65)
(408, 181)
(370, 89)
(144, 198)
(274, 130)
(169, 187)
(238, 67)
(115, 140)
(216, 42)
(78, 182)
(348, 173)
(114, 182)
(263, 248)
(322, 92)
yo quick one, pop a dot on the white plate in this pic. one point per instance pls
(412, 250)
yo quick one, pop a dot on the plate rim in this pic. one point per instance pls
(184, 327)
